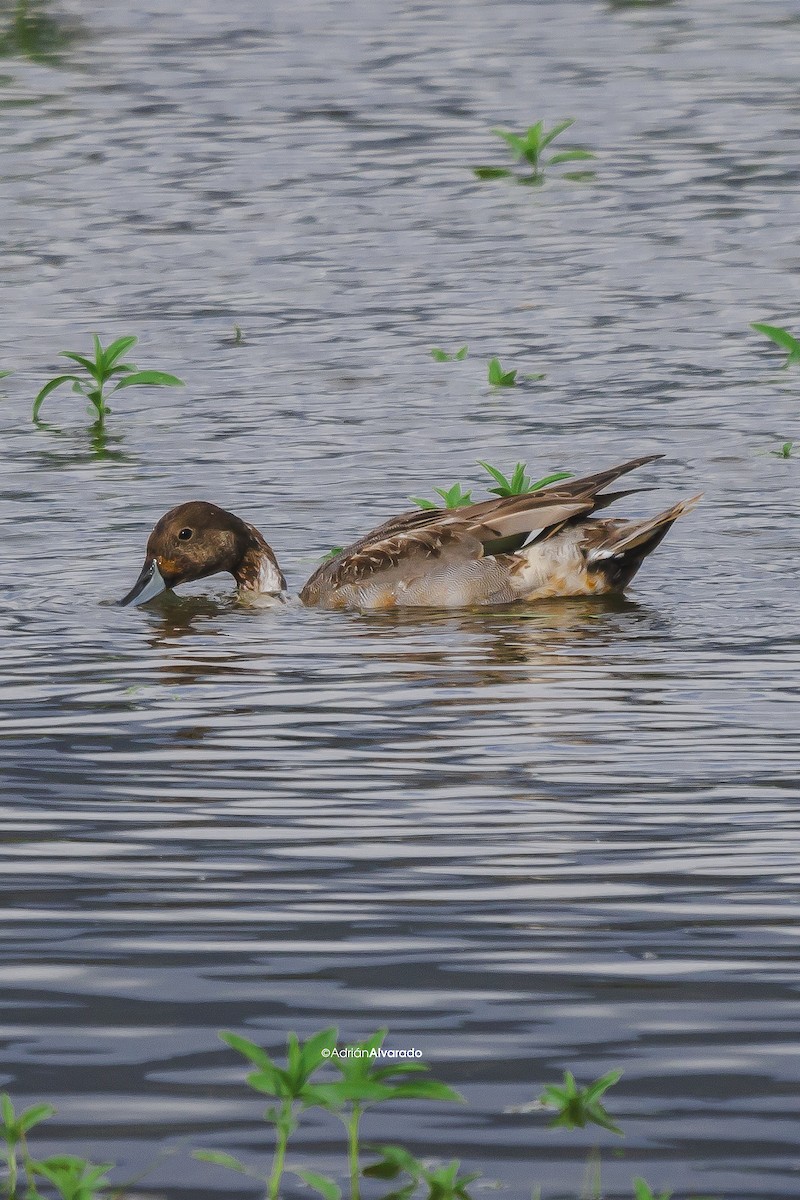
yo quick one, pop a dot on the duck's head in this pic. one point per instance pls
(198, 539)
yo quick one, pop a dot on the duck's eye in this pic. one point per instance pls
(185, 534)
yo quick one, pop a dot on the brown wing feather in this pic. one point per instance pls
(491, 526)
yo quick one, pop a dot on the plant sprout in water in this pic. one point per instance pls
(440, 355)
(529, 147)
(578, 1107)
(442, 1183)
(785, 450)
(453, 497)
(95, 374)
(520, 483)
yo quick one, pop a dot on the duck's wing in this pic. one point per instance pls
(490, 527)
(413, 542)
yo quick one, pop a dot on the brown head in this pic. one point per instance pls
(198, 539)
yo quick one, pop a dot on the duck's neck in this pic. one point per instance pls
(257, 573)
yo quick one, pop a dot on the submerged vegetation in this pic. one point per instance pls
(529, 147)
(364, 1074)
(95, 374)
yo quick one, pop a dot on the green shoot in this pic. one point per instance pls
(290, 1086)
(332, 553)
(14, 1130)
(642, 1191)
(578, 1107)
(5, 374)
(498, 377)
(520, 483)
(785, 450)
(529, 146)
(443, 1183)
(782, 338)
(439, 355)
(96, 373)
(238, 336)
(365, 1082)
(73, 1178)
(453, 498)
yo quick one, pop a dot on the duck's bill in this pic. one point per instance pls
(149, 585)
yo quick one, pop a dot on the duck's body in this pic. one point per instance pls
(518, 548)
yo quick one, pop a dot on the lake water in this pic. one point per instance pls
(563, 838)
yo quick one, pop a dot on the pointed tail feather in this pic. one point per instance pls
(621, 554)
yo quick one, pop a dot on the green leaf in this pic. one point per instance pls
(51, 387)
(272, 1081)
(5, 374)
(496, 474)
(149, 379)
(84, 362)
(426, 1089)
(247, 1048)
(554, 478)
(492, 172)
(440, 355)
(515, 143)
(320, 1183)
(498, 377)
(557, 129)
(396, 1159)
(454, 497)
(311, 1058)
(220, 1159)
(571, 156)
(420, 503)
(334, 552)
(98, 351)
(782, 338)
(116, 350)
(461, 354)
(32, 1116)
(596, 1089)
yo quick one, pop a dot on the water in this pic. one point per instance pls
(565, 838)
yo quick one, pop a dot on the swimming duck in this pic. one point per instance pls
(530, 547)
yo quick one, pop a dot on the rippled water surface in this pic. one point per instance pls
(529, 841)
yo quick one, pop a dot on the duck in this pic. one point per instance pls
(521, 548)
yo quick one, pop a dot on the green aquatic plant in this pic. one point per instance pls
(578, 1107)
(74, 1178)
(781, 337)
(365, 1082)
(238, 336)
(442, 1183)
(785, 450)
(97, 373)
(290, 1086)
(5, 374)
(520, 483)
(332, 553)
(498, 377)
(14, 1131)
(643, 1191)
(453, 497)
(439, 355)
(529, 147)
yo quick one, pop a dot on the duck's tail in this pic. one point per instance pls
(620, 554)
